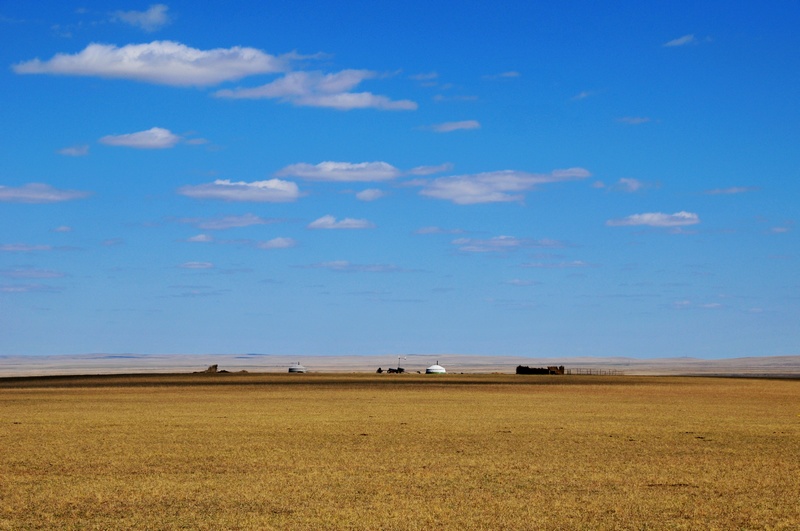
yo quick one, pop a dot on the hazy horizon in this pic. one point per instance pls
(11, 366)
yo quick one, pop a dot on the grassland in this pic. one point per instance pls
(250, 451)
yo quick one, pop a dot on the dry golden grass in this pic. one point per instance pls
(313, 451)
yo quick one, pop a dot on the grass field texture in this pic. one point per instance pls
(256, 451)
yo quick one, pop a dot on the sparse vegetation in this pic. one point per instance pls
(255, 451)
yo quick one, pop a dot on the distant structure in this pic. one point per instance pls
(398, 370)
(552, 369)
(435, 369)
(297, 368)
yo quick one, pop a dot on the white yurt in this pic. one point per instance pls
(435, 369)
(297, 368)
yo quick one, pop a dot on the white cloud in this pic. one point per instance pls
(629, 185)
(196, 265)
(277, 243)
(508, 74)
(493, 187)
(329, 222)
(159, 62)
(370, 194)
(270, 191)
(442, 98)
(732, 190)
(687, 304)
(557, 265)
(23, 248)
(30, 273)
(342, 171)
(779, 230)
(200, 238)
(361, 100)
(582, 95)
(154, 18)
(345, 266)
(501, 244)
(316, 89)
(430, 170)
(681, 41)
(192, 292)
(27, 288)
(155, 138)
(656, 219)
(520, 282)
(74, 151)
(624, 184)
(38, 193)
(438, 230)
(301, 84)
(62, 228)
(448, 127)
(227, 222)
(634, 120)
(430, 76)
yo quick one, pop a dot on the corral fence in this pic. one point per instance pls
(594, 372)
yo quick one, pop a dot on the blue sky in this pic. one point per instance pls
(536, 179)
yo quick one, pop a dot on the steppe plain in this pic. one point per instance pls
(358, 450)
(458, 363)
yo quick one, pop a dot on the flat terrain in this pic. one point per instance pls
(279, 451)
(455, 363)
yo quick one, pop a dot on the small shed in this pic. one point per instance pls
(435, 369)
(297, 368)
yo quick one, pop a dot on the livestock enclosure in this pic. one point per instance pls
(361, 451)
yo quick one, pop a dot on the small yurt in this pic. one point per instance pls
(297, 368)
(435, 369)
